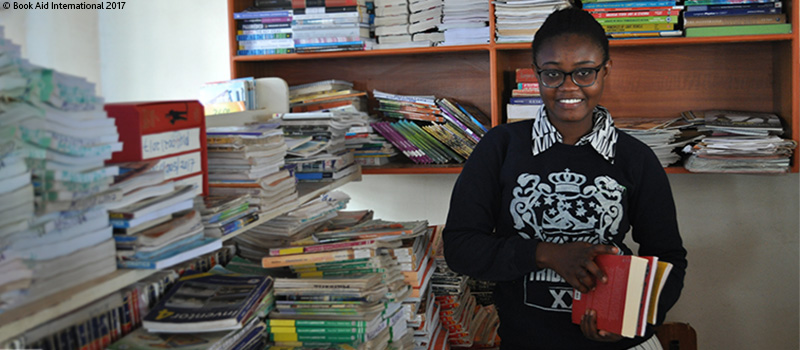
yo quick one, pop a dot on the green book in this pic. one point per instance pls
(637, 20)
(777, 28)
(316, 323)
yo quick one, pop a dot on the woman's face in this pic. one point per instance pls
(570, 105)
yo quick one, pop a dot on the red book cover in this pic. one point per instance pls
(526, 75)
(617, 302)
(172, 132)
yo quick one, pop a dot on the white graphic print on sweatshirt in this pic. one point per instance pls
(563, 209)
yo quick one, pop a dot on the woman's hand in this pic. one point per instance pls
(574, 262)
(589, 329)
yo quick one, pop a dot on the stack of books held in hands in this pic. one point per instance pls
(54, 140)
(156, 225)
(738, 142)
(429, 129)
(629, 300)
(265, 29)
(249, 160)
(214, 310)
(728, 17)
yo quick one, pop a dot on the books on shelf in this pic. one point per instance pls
(623, 304)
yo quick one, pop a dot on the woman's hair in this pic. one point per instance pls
(571, 20)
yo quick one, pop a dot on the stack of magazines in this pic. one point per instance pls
(322, 155)
(665, 136)
(55, 138)
(249, 160)
(157, 225)
(739, 142)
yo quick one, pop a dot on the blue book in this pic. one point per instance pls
(702, 8)
(261, 14)
(265, 36)
(345, 43)
(203, 246)
(738, 12)
(258, 52)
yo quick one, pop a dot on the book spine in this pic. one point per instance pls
(263, 36)
(285, 19)
(724, 2)
(261, 14)
(260, 52)
(259, 31)
(266, 44)
(708, 21)
(735, 12)
(621, 4)
(638, 20)
(650, 13)
(639, 27)
(526, 100)
(695, 8)
(263, 26)
(301, 259)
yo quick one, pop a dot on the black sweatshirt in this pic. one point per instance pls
(506, 200)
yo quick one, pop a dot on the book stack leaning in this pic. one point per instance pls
(54, 140)
(343, 287)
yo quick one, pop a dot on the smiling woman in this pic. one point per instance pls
(538, 200)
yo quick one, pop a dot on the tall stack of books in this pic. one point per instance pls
(53, 181)
(322, 156)
(159, 230)
(249, 160)
(265, 29)
(726, 17)
(633, 19)
(391, 24)
(739, 142)
(353, 267)
(525, 100)
(465, 22)
(424, 19)
(330, 25)
(518, 20)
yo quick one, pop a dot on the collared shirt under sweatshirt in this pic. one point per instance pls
(522, 186)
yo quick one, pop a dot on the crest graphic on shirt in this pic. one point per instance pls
(565, 208)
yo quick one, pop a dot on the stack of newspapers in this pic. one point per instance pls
(54, 185)
(739, 142)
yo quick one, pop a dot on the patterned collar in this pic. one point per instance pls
(603, 136)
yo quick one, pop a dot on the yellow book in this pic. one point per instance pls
(662, 272)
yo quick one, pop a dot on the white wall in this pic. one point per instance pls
(741, 231)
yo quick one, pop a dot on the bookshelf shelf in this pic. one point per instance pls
(658, 77)
(24, 318)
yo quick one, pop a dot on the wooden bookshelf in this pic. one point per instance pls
(650, 77)
(24, 318)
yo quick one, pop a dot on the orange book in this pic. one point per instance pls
(311, 258)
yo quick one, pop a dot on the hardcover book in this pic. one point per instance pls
(617, 303)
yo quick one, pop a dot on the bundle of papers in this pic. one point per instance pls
(518, 20)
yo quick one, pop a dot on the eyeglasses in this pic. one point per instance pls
(583, 77)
